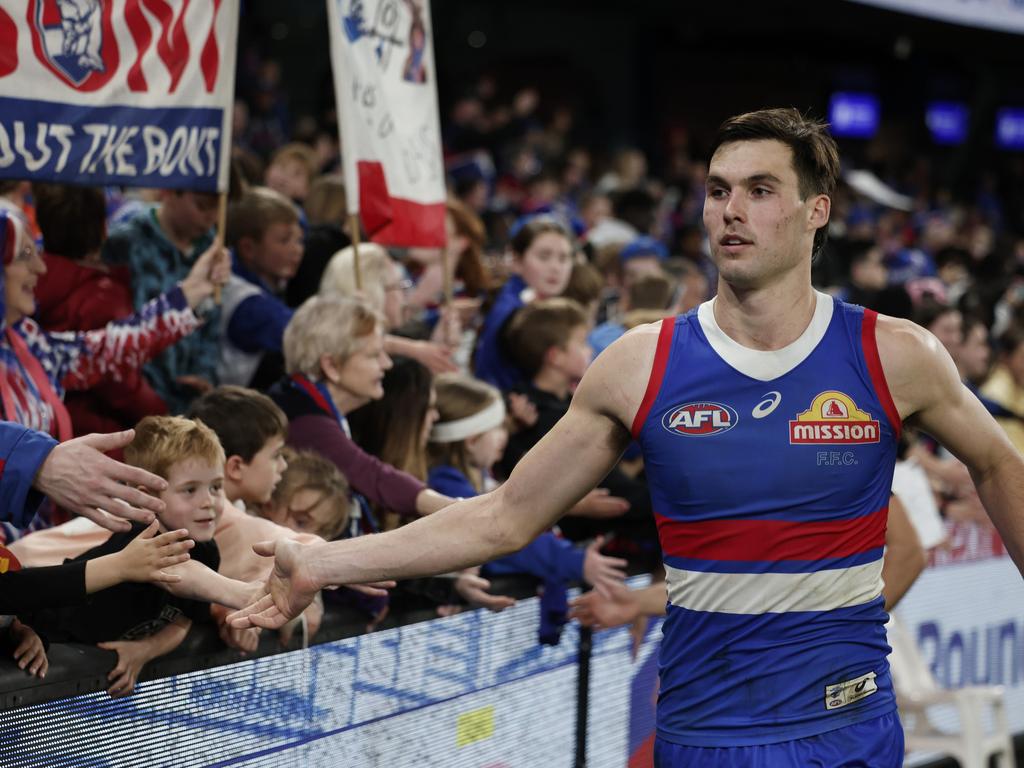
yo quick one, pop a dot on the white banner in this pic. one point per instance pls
(1004, 15)
(385, 83)
(965, 614)
(132, 92)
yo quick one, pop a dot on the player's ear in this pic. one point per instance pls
(820, 209)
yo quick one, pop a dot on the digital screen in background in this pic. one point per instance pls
(947, 121)
(1010, 128)
(854, 115)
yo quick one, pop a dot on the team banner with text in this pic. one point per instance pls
(382, 53)
(1004, 15)
(118, 92)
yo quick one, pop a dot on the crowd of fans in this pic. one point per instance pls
(279, 400)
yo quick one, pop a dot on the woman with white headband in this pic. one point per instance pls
(465, 442)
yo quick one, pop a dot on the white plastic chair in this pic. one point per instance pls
(917, 690)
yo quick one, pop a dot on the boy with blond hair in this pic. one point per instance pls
(141, 621)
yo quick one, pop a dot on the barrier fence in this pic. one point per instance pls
(476, 690)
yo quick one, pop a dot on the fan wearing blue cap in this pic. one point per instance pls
(639, 258)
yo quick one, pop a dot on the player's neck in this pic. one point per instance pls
(765, 318)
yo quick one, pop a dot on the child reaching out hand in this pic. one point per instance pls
(143, 560)
(142, 621)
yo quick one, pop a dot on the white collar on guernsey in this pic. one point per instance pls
(461, 429)
(765, 365)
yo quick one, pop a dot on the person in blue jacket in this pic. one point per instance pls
(466, 441)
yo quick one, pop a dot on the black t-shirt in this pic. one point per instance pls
(550, 408)
(127, 611)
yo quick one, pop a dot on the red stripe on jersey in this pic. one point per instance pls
(870, 345)
(657, 374)
(772, 540)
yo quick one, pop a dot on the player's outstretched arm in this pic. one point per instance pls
(927, 391)
(571, 459)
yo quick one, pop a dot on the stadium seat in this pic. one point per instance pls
(917, 691)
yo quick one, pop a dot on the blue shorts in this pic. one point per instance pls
(876, 743)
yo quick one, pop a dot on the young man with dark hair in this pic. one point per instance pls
(774, 649)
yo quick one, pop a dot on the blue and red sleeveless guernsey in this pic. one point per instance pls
(769, 474)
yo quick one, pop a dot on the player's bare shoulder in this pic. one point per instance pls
(918, 370)
(617, 379)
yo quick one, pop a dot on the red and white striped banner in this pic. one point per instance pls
(131, 92)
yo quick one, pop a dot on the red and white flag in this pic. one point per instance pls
(385, 83)
(131, 92)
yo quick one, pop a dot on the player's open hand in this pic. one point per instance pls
(288, 590)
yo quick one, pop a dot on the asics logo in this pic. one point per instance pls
(765, 407)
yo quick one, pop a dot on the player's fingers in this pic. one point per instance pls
(271, 618)
(265, 548)
(242, 618)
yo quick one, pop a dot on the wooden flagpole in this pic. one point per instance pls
(222, 224)
(446, 300)
(354, 226)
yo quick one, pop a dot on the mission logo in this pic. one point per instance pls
(833, 418)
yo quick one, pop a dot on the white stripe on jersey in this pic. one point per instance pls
(758, 593)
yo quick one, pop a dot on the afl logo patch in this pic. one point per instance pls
(699, 419)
